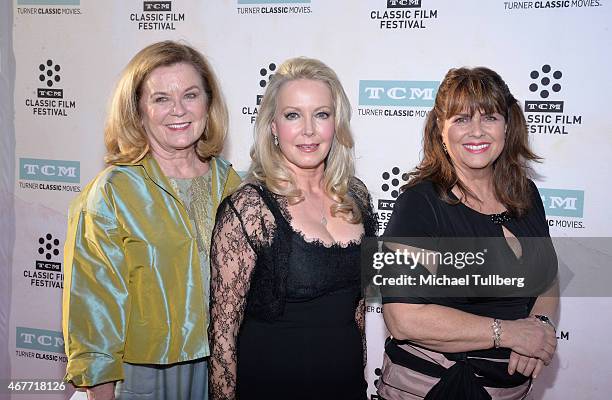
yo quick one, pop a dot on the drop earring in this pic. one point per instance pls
(444, 147)
(275, 140)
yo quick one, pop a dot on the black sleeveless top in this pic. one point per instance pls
(321, 272)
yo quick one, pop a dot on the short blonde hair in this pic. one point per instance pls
(267, 164)
(124, 135)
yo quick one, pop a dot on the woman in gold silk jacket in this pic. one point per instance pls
(135, 307)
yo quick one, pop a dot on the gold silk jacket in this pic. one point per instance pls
(133, 282)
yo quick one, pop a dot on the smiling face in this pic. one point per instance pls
(475, 141)
(304, 123)
(174, 108)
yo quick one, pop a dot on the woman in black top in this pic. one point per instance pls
(465, 341)
(287, 307)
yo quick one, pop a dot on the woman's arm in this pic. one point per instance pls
(446, 329)
(437, 327)
(232, 262)
(105, 391)
(546, 304)
(360, 320)
(95, 297)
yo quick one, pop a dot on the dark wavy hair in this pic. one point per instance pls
(478, 89)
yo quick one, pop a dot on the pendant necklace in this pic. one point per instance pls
(323, 219)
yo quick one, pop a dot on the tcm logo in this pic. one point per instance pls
(398, 93)
(403, 3)
(33, 169)
(49, 73)
(50, 93)
(49, 2)
(543, 106)
(392, 182)
(152, 6)
(272, 1)
(545, 81)
(266, 74)
(49, 248)
(39, 339)
(562, 202)
(49, 76)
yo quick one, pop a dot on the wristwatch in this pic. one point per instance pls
(545, 320)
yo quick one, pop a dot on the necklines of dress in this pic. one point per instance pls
(286, 217)
(205, 174)
(496, 218)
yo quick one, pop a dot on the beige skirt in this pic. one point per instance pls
(400, 383)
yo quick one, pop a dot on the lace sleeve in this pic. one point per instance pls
(361, 195)
(241, 227)
(360, 320)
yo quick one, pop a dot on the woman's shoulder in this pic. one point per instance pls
(248, 208)
(227, 174)
(247, 190)
(533, 188)
(248, 196)
(417, 193)
(357, 183)
(358, 189)
(418, 201)
(415, 212)
(99, 195)
(114, 173)
(536, 198)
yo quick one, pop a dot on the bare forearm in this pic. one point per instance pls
(439, 328)
(445, 329)
(548, 303)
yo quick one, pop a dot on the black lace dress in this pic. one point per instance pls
(287, 313)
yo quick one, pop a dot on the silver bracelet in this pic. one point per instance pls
(497, 331)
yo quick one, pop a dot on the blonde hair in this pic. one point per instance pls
(268, 165)
(124, 135)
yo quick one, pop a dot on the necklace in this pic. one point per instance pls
(323, 219)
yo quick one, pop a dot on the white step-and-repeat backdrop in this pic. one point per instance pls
(556, 56)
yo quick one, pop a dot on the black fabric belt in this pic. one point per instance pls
(488, 373)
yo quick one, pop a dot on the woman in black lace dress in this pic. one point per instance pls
(288, 310)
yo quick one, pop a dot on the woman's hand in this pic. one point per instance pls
(530, 337)
(105, 391)
(527, 366)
